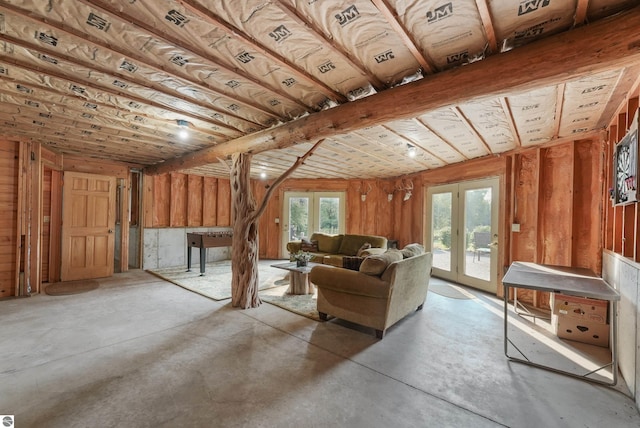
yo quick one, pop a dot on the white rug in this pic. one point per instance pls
(216, 282)
(301, 304)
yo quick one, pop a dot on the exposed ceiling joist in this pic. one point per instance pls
(405, 36)
(607, 44)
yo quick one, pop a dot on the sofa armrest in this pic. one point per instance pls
(349, 281)
(294, 246)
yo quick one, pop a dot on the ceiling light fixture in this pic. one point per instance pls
(411, 151)
(183, 133)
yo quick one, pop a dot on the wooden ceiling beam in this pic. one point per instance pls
(580, 17)
(559, 109)
(392, 18)
(607, 44)
(512, 123)
(487, 23)
(627, 82)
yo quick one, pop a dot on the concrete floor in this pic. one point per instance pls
(141, 352)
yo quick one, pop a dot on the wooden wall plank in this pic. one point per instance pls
(587, 236)
(224, 203)
(555, 205)
(46, 223)
(51, 159)
(148, 199)
(634, 245)
(124, 187)
(609, 211)
(9, 152)
(195, 198)
(210, 201)
(100, 167)
(55, 237)
(526, 206)
(161, 200)
(618, 224)
(178, 204)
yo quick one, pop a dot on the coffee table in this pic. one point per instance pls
(299, 277)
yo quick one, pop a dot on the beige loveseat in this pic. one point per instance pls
(370, 299)
(331, 249)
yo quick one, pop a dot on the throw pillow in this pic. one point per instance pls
(365, 246)
(307, 245)
(412, 250)
(352, 262)
(377, 264)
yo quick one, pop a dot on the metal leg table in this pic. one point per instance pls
(571, 281)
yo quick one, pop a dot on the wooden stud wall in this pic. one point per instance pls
(46, 224)
(181, 200)
(621, 230)
(555, 193)
(9, 237)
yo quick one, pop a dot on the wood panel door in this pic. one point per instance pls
(88, 224)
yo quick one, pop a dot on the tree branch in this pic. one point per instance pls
(283, 177)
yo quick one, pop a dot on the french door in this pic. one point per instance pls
(308, 212)
(462, 230)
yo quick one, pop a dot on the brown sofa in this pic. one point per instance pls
(370, 299)
(331, 249)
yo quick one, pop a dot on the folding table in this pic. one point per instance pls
(566, 280)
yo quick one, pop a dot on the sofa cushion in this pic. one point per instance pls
(412, 250)
(332, 260)
(364, 247)
(352, 243)
(327, 243)
(377, 264)
(307, 245)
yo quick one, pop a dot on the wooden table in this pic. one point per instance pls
(566, 280)
(299, 277)
(204, 240)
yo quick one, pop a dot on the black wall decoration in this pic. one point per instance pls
(625, 167)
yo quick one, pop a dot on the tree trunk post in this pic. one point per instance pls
(244, 253)
(245, 215)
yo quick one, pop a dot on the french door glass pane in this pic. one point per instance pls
(298, 218)
(441, 230)
(329, 215)
(477, 214)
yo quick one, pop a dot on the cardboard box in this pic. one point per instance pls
(580, 308)
(593, 333)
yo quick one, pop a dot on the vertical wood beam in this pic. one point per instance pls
(55, 224)
(609, 212)
(633, 218)
(20, 277)
(35, 218)
(125, 189)
(619, 210)
(147, 200)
